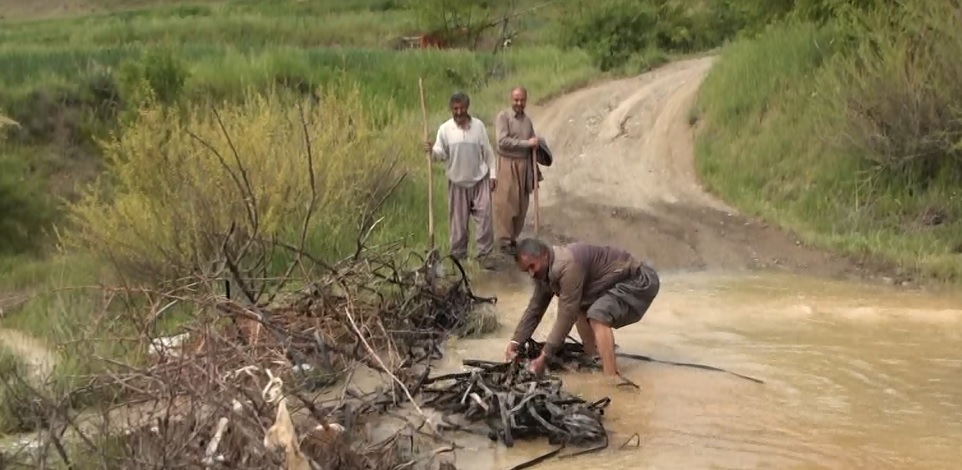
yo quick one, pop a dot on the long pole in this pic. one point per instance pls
(534, 177)
(424, 113)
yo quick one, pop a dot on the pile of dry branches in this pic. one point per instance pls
(366, 311)
(248, 381)
(249, 386)
(514, 404)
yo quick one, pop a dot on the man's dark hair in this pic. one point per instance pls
(460, 97)
(532, 247)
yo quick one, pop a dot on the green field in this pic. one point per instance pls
(71, 82)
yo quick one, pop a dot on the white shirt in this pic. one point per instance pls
(468, 152)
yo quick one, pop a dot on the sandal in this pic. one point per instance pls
(622, 381)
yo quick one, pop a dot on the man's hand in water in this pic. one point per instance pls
(511, 353)
(537, 366)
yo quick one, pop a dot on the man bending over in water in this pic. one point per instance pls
(599, 289)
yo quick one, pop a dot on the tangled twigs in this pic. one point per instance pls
(407, 393)
(199, 399)
(515, 404)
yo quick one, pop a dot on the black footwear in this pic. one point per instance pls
(622, 381)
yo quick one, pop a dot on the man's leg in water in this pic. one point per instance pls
(587, 334)
(605, 338)
(624, 304)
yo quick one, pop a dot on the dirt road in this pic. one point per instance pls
(624, 175)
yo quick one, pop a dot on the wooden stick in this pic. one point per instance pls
(534, 176)
(424, 113)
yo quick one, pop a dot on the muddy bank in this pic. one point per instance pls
(690, 238)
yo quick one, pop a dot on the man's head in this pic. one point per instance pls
(533, 256)
(519, 99)
(459, 104)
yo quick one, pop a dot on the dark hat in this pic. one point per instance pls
(543, 155)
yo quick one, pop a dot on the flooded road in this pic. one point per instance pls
(855, 377)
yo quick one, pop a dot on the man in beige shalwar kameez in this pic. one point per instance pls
(515, 141)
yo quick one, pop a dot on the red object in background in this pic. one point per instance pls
(432, 41)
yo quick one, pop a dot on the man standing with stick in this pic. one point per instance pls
(517, 171)
(463, 143)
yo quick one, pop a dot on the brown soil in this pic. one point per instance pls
(624, 175)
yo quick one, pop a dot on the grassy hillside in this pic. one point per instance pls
(846, 131)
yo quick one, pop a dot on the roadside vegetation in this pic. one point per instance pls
(143, 136)
(841, 122)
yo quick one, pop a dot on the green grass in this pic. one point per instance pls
(12, 393)
(240, 26)
(389, 88)
(62, 76)
(772, 142)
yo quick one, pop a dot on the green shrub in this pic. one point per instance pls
(613, 31)
(897, 93)
(25, 206)
(172, 200)
(163, 73)
(17, 413)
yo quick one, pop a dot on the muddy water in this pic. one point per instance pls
(856, 377)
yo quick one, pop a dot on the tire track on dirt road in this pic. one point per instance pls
(624, 174)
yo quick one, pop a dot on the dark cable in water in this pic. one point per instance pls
(673, 363)
(687, 364)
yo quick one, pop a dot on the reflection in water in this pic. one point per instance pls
(856, 377)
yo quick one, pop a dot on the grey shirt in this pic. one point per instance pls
(513, 131)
